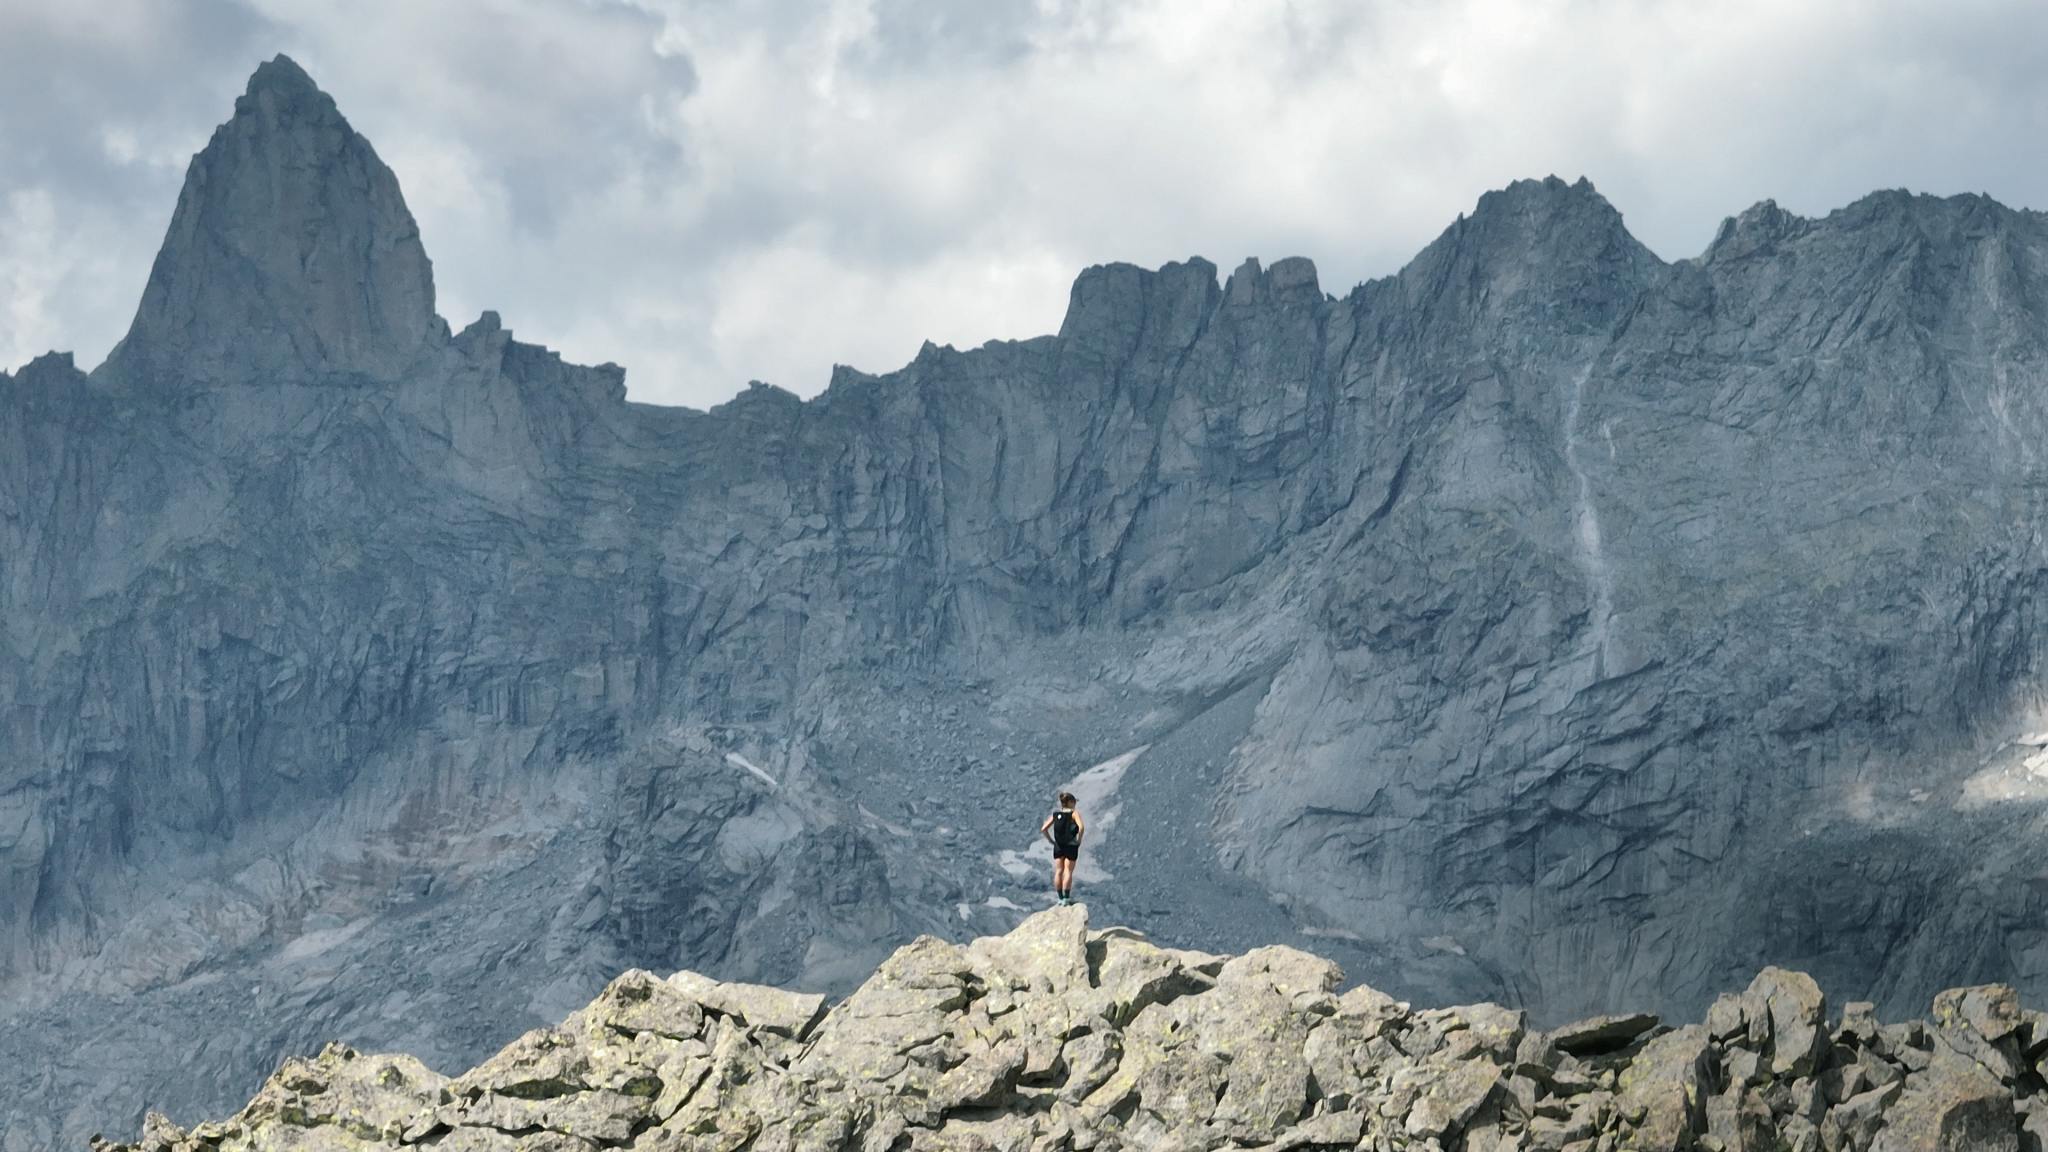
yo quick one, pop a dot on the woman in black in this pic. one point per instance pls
(1064, 828)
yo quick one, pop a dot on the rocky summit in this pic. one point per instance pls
(1546, 623)
(1058, 1037)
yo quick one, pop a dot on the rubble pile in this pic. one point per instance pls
(1058, 1037)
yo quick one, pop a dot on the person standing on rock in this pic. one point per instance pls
(1064, 829)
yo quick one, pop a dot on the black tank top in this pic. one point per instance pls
(1066, 832)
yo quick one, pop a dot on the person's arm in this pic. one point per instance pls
(1080, 826)
(1045, 829)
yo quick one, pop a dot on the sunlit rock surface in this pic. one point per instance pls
(1546, 623)
(1056, 1037)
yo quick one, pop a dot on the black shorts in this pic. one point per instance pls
(1066, 851)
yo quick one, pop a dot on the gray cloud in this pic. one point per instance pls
(100, 107)
(709, 192)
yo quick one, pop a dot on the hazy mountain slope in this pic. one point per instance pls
(1545, 623)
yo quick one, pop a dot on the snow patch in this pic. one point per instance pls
(1095, 795)
(897, 830)
(314, 943)
(1333, 934)
(739, 761)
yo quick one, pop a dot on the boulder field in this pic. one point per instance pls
(1056, 1036)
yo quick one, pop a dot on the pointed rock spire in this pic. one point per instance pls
(291, 255)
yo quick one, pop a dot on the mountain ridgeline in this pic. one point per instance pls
(1546, 623)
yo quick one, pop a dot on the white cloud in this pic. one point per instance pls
(709, 193)
(28, 222)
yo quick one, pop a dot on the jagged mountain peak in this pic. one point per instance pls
(1111, 305)
(1756, 230)
(1547, 214)
(1944, 219)
(1551, 188)
(1546, 250)
(291, 255)
(1292, 279)
(1550, 201)
(282, 75)
(49, 365)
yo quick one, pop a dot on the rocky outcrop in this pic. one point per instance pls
(1545, 623)
(291, 255)
(1058, 1037)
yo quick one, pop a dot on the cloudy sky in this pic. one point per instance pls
(712, 191)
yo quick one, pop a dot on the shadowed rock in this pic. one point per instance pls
(1601, 1034)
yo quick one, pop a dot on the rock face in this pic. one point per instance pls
(291, 256)
(1546, 623)
(1056, 1037)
